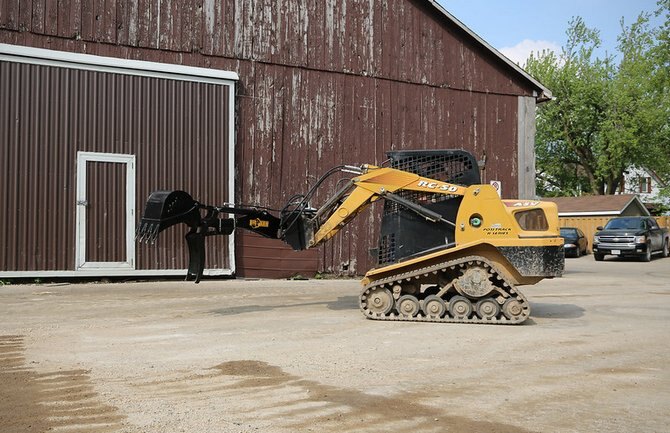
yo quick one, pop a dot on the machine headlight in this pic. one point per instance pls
(569, 245)
(640, 239)
(596, 239)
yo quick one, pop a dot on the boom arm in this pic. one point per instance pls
(299, 225)
(373, 183)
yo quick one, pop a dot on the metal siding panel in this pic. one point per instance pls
(37, 193)
(59, 111)
(184, 146)
(8, 131)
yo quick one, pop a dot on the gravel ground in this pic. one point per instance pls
(298, 356)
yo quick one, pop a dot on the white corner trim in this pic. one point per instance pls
(232, 144)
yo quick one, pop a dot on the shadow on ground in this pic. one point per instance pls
(555, 311)
(342, 303)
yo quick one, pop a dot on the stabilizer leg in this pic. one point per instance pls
(196, 255)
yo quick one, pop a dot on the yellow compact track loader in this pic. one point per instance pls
(450, 250)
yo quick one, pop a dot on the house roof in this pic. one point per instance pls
(597, 204)
(544, 93)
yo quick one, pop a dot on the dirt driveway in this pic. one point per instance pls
(298, 356)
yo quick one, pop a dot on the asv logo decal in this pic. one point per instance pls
(438, 186)
(258, 223)
(526, 204)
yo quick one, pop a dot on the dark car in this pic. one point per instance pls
(575, 243)
(636, 236)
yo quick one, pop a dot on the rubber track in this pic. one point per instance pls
(508, 287)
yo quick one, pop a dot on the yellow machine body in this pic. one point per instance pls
(498, 245)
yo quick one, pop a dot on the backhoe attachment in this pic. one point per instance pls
(167, 208)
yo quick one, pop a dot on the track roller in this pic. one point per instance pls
(460, 307)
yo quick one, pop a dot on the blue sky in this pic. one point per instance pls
(517, 27)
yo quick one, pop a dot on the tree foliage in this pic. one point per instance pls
(607, 115)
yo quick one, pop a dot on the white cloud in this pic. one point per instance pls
(521, 51)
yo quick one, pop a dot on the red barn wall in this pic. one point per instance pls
(321, 83)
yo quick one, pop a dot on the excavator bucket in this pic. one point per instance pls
(165, 209)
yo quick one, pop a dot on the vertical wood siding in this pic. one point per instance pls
(399, 40)
(321, 83)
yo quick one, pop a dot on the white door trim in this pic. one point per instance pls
(81, 204)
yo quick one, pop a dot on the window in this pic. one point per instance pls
(567, 231)
(645, 185)
(631, 223)
(532, 220)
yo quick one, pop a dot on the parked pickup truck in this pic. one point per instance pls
(631, 237)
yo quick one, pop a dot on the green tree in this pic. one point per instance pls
(660, 83)
(606, 117)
